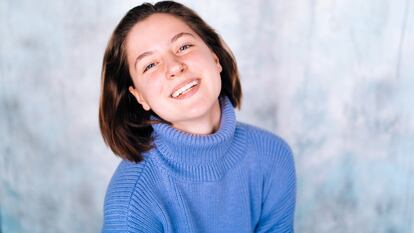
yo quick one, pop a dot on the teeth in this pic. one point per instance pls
(184, 89)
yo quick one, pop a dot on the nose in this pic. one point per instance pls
(174, 67)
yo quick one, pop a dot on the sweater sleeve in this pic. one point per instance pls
(125, 208)
(278, 204)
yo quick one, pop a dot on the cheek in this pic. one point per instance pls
(152, 89)
(203, 61)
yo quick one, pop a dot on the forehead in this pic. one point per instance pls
(156, 30)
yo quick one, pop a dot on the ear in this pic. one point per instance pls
(217, 61)
(139, 98)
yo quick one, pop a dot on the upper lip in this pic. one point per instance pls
(182, 84)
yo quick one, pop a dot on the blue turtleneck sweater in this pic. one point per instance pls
(239, 179)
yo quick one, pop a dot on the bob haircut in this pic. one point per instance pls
(125, 126)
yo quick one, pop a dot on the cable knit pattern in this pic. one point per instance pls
(239, 179)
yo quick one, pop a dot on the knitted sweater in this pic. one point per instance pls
(238, 179)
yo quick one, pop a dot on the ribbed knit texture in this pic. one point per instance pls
(239, 179)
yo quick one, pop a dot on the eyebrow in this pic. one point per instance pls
(180, 35)
(174, 38)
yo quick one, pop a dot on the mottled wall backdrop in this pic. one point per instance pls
(335, 78)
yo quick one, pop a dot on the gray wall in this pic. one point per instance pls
(334, 78)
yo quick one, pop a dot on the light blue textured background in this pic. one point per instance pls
(335, 78)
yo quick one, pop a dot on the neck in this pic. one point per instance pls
(200, 157)
(207, 124)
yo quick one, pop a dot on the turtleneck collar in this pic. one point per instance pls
(200, 157)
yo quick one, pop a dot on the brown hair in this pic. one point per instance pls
(124, 124)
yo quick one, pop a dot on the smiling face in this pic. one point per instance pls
(174, 72)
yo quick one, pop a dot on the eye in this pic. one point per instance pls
(184, 47)
(148, 67)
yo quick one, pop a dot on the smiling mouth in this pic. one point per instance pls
(184, 89)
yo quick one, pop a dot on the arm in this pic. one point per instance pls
(278, 204)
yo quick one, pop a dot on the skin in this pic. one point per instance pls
(173, 56)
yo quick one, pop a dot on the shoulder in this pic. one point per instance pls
(276, 161)
(263, 139)
(124, 180)
(124, 196)
(272, 150)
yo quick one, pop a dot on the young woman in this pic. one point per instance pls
(169, 89)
